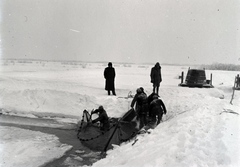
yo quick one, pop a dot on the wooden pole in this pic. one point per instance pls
(233, 90)
(182, 77)
(117, 126)
(211, 79)
(237, 82)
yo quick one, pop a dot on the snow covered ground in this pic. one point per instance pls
(201, 127)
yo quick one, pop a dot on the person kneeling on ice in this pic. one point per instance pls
(102, 118)
(156, 110)
(141, 106)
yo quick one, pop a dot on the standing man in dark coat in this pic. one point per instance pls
(156, 77)
(109, 75)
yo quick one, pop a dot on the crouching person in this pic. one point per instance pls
(156, 110)
(102, 118)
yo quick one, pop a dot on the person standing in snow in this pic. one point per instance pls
(156, 77)
(102, 118)
(238, 81)
(109, 75)
(156, 110)
(141, 106)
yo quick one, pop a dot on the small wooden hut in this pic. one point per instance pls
(196, 78)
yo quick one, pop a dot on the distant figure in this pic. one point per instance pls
(156, 110)
(238, 81)
(141, 106)
(109, 75)
(156, 77)
(102, 118)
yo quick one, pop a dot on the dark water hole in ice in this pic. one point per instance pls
(79, 155)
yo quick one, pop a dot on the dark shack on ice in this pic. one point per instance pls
(196, 78)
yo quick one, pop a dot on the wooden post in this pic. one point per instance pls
(237, 82)
(233, 89)
(182, 77)
(117, 126)
(211, 79)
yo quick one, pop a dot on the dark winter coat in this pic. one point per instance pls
(156, 110)
(102, 118)
(141, 103)
(109, 75)
(155, 75)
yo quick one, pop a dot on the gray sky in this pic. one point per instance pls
(136, 31)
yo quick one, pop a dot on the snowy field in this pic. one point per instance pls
(201, 127)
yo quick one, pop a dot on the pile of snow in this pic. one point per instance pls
(25, 148)
(203, 136)
(201, 127)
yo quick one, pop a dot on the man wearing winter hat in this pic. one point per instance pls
(141, 106)
(109, 75)
(156, 110)
(156, 77)
(102, 118)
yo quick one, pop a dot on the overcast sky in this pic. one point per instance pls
(136, 31)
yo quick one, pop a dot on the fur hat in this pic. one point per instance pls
(100, 107)
(110, 64)
(155, 96)
(157, 64)
(139, 90)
